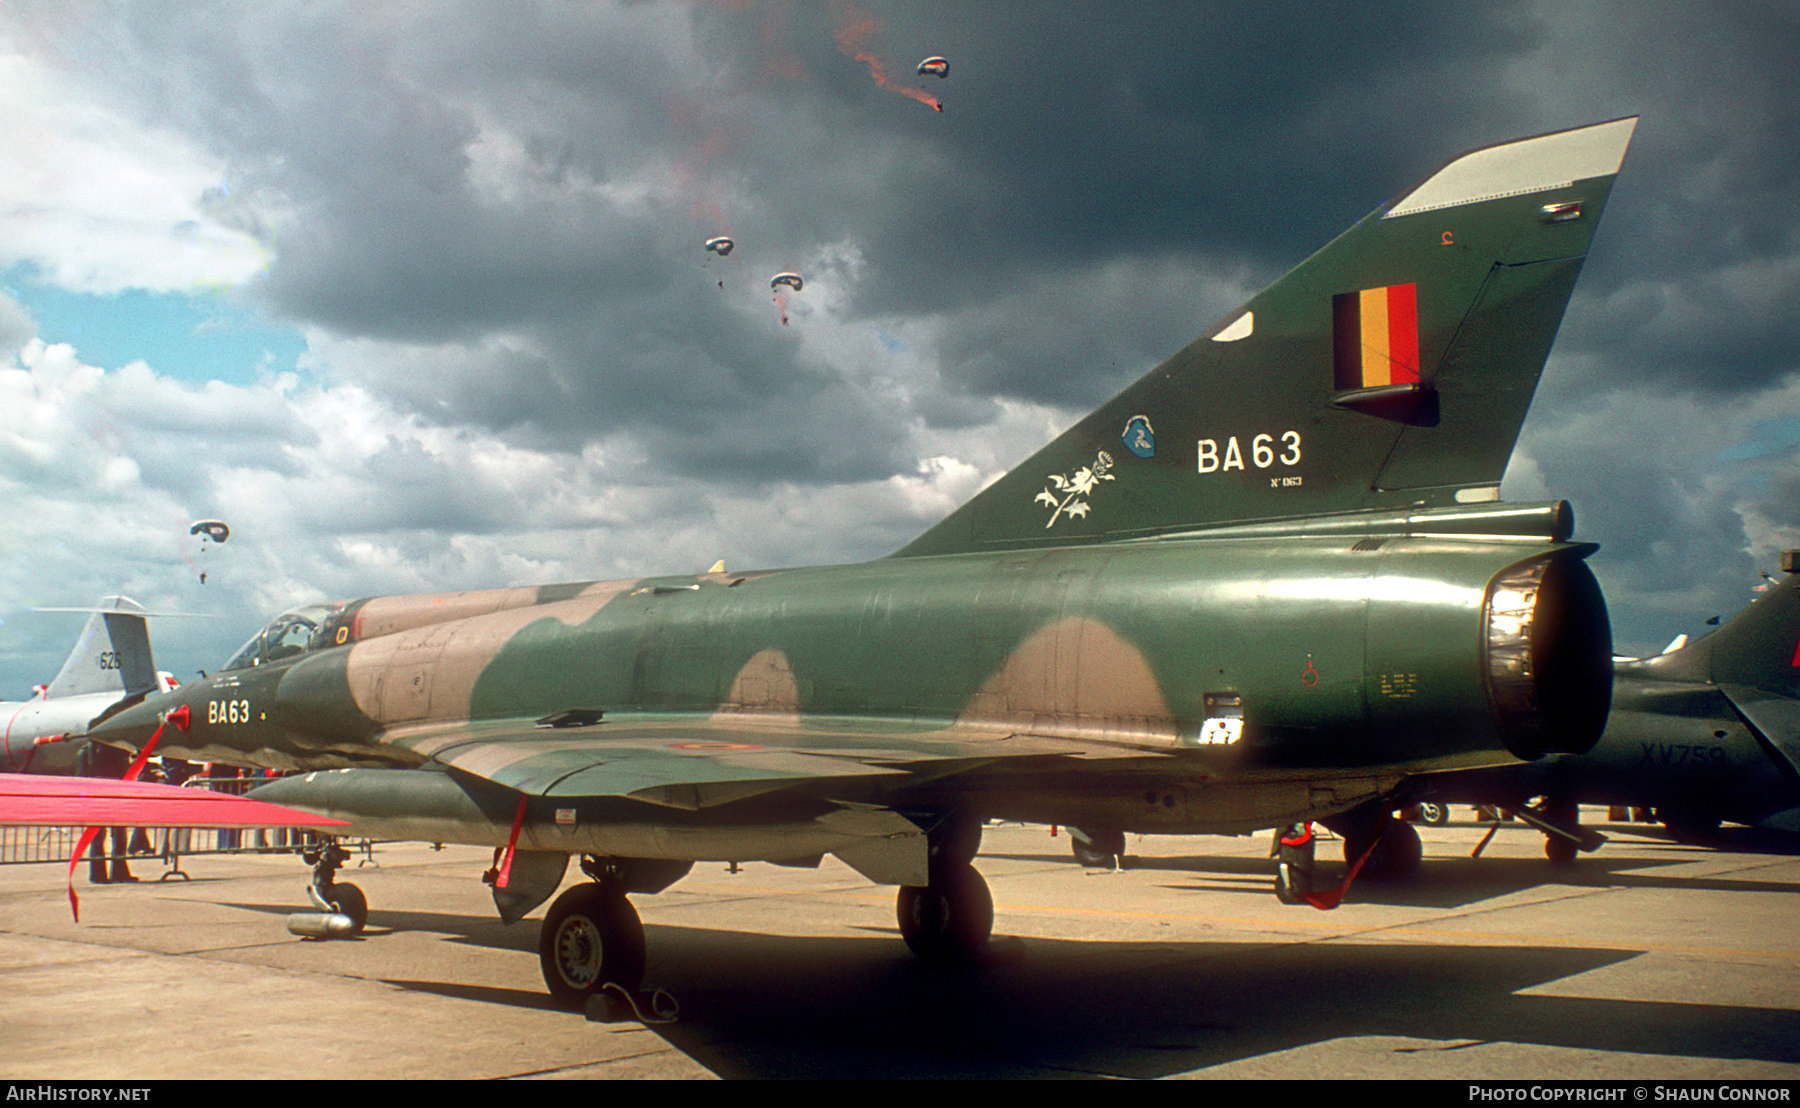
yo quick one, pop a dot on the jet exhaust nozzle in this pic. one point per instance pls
(1549, 652)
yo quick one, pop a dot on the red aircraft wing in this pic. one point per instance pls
(92, 801)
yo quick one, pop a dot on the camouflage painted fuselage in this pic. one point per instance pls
(1345, 657)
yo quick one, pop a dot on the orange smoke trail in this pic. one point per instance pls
(781, 306)
(855, 37)
(879, 72)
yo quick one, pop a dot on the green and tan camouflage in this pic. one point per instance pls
(1265, 584)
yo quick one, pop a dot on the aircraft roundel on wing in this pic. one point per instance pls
(1271, 582)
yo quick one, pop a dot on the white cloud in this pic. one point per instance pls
(331, 492)
(100, 204)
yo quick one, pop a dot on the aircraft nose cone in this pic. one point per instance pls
(133, 727)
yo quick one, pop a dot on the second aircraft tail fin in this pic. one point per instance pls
(1757, 648)
(111, 654)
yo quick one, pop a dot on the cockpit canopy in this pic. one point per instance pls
(289, 634)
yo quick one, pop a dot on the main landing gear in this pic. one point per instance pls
(951, 916)
(592, 937)
(1379, 847)
(1098, 849)
(591, 947)
(949, 919)
(1294, 846)
(1390, 848)
(1560, 821)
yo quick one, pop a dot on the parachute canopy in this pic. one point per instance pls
(790, 280)
(720, 246)
(934, 66)
(211, 528)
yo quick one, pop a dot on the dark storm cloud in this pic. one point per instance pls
(1067, 144)
(1701, 251)
(1079, 138)
(366, 125)
(1244, 136)
(1674, 541)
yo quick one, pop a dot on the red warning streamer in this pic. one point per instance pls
(180, 717)
(1331, 898)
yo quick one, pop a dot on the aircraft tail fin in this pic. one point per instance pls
(1760, 646)
(112, 653)
(1390, 371)
(1754, 659)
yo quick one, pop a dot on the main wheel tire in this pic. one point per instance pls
(346, 899)
(1292, 883)
(591, 937)
(1434, 815)
(1097, 849)
(949, 919)
(1396, 855)
(1559, 850)
(955, 840)
(1295, 846)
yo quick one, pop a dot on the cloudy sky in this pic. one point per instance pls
(413, 296)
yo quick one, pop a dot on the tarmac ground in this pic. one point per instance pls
(1648, 960)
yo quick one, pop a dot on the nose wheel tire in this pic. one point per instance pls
(950, 919)
(591, 937)
(347, 899)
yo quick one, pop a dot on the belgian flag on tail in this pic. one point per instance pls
(1376, 334)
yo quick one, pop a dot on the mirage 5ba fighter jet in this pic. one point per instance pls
(1266, 583)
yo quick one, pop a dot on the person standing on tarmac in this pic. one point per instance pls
(100, 760)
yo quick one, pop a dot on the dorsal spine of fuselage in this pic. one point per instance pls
(1389, 372)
